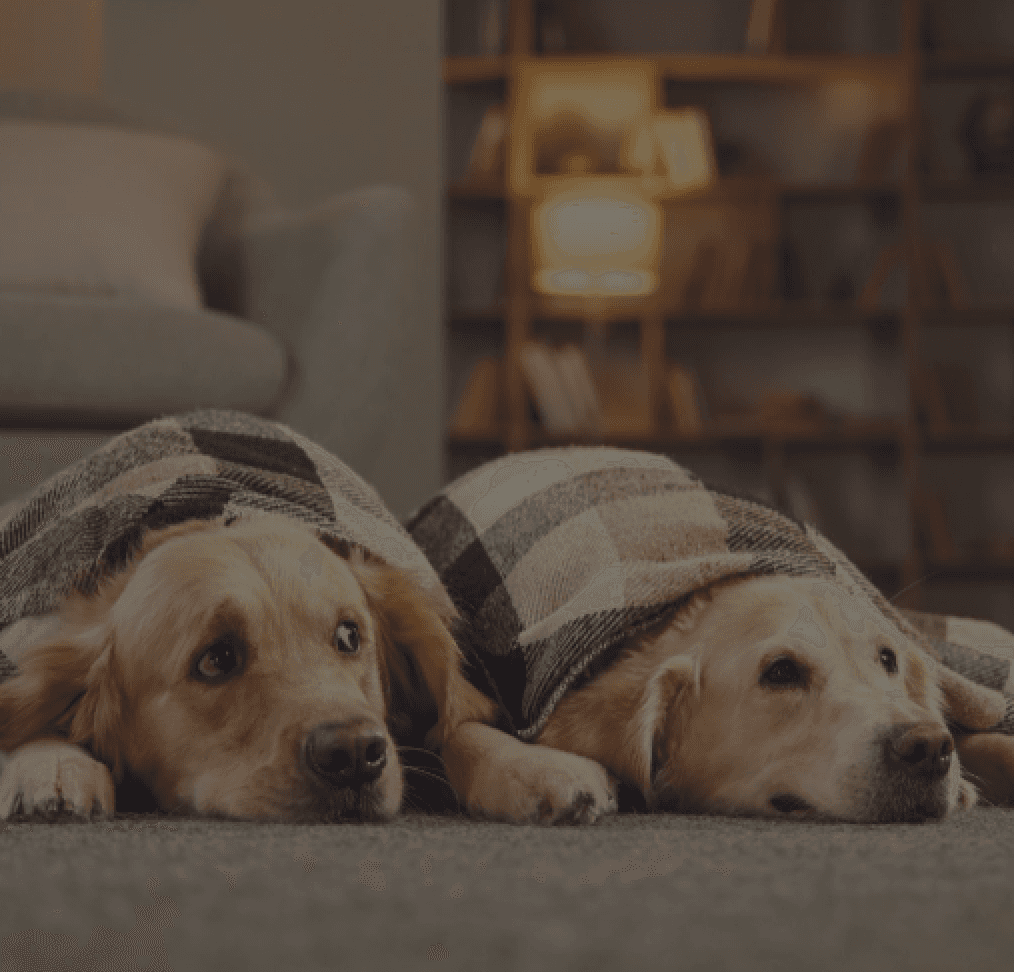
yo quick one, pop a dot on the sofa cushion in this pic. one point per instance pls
(103, 211)
(108, 362)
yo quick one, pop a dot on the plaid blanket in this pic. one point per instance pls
(555, 557)
(87, 520)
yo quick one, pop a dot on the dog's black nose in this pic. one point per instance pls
(920, 750)
(345, 754)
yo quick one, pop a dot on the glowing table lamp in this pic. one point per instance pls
(595, 239)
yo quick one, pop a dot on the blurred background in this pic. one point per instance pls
(770, 238)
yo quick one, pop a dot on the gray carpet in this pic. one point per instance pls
(432, 892)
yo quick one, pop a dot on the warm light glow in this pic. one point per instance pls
(595, 240)
(684, 138)
(603, 96)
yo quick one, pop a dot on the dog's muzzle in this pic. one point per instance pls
(345, 754)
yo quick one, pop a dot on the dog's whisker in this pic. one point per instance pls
(914, 583)
(425, 752)
(978, 783)
(423, 772)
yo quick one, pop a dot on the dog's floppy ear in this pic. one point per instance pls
(967, 704)
(660, 717)
(65, 686)
(416, 641)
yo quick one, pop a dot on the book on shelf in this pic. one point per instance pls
(939, 278)
(561, 385)
(545, 385)
(801, 502)
(728, 275)
(947, 397)
(934, 531)
(580, 386)
(930, 401)
(760, 28)
(479, 413)
(960, 391)
(686, 402)
(954, 287)
(486, 163)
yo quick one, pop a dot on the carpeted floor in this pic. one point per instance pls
(444, 893)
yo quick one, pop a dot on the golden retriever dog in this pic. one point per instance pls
(241, 670)
(177, 611)
(254, 671)
(775, 697)
(625, 624)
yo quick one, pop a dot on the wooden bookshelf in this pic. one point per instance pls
(900, 438)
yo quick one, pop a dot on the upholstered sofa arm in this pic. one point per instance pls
(337, 286)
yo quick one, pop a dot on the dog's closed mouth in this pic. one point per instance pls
(789, 803)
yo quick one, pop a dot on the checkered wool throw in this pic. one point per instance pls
(88, 519)
(555, 557)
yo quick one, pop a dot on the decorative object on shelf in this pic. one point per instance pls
(576, 116)
(479, 414)
(560, 383)
(595, 239)
(686, 401)
(569, 143)
(491, 28)
(987, 133)
(760, 28)
(486, 163)
(676, 146)
(940, 282)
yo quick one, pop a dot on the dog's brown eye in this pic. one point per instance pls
(889, 660)
(346, 637)
(218, 661)
(783, 671)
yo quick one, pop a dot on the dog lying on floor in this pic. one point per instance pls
(223, 610)
(700, 647)
(225, 613)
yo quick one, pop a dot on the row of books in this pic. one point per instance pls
(570, 400)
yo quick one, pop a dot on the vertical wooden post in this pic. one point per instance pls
(911, 322)
(517, 321)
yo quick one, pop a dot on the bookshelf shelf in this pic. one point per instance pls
(855, 434)
(982, 190)
(899, 443)
(728, 190)
(979, 568)
(998, 441)
(962, 65)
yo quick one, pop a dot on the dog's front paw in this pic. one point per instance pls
(51, 779)
(544, 786)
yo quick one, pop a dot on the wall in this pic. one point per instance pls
(317, 96)
(55, 44)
